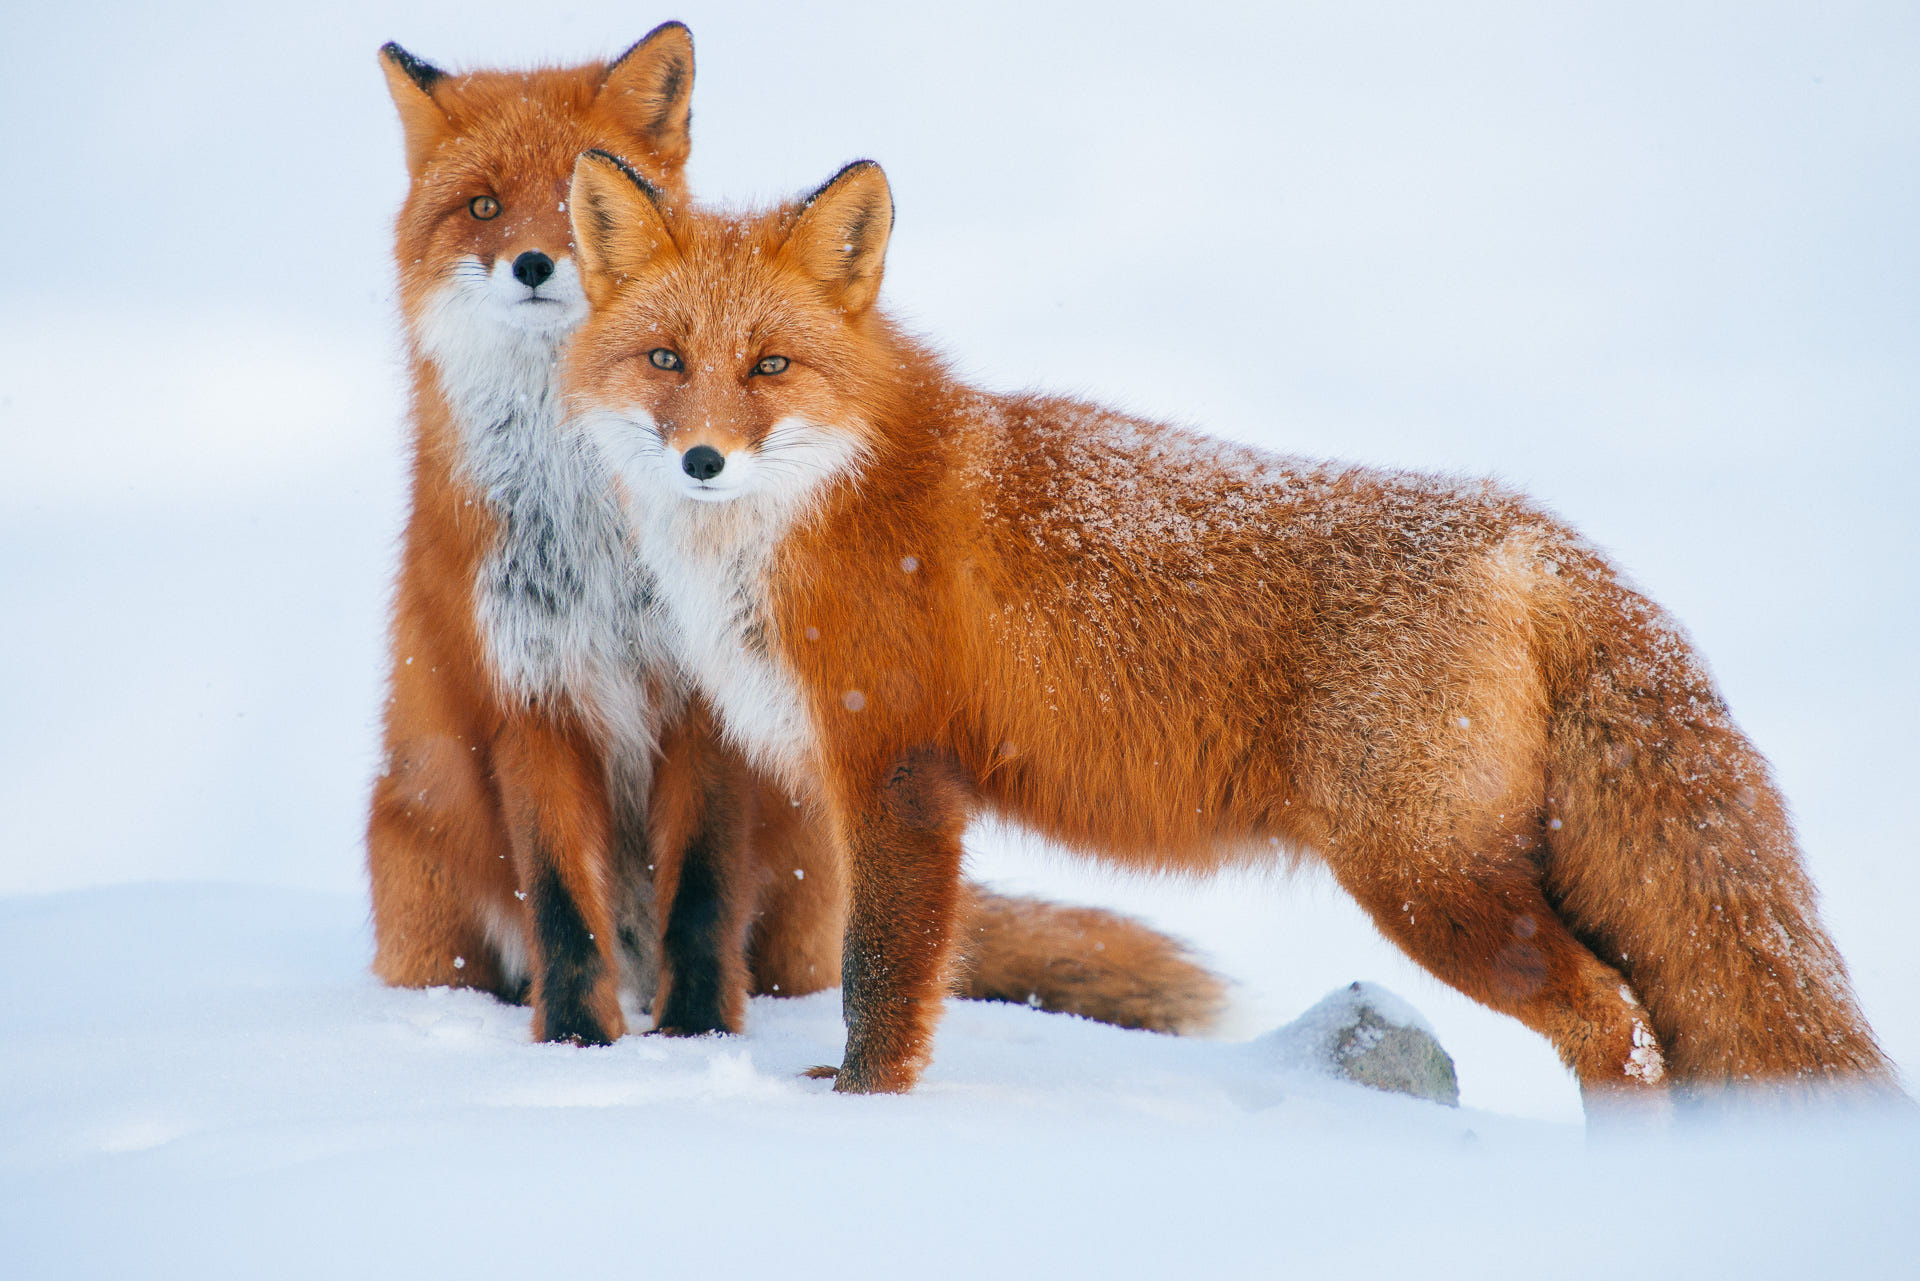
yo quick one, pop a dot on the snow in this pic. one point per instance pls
(1653, 266)
(1336, 1010)
(213, 1086)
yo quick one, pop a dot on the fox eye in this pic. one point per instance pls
(771, 365)
(665, 359)
(484, 207)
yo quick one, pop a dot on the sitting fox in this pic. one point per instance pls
(556, 820)
(1171, 652)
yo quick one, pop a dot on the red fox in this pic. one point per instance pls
(1176, 653)
(556, 820)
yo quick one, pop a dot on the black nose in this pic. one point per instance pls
(532, 268)
(703, 462)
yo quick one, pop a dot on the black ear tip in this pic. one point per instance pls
(854, 169)
(421, 72)
(867, 169)
(850, 170)
(634, 176)
(675, 31)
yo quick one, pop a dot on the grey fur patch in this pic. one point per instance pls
(562, 604)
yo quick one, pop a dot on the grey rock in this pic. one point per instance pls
(1366, 1034)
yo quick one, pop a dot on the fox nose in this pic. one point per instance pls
(703, 462)
(532, 268)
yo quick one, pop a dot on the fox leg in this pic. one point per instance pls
(801, 922)
(1479, 921)
(438, 864)
(553, 790)
(421, 937)
(903, 841)
(698, 835)
(1073, 960)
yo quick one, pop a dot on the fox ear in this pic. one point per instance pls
(840, 236)
(618, 226)
(411, 82)
(649, 89)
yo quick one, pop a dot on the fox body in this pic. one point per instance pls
(508, 843)
(1177, 653)
(557, 819)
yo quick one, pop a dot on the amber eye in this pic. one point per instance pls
(664, 359)
(771, 365)
(484, 207)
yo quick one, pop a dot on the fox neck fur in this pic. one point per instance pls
(563, 610)
(711, 566)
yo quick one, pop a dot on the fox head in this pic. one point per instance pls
(730, 358)
(484, 245)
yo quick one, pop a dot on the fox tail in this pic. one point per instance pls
(1674, 857)
(1087, 961)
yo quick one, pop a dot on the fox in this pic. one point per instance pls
(1173, 653)
(556, 820)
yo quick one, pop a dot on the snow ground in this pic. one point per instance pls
(212, 1086)
(1653, 263)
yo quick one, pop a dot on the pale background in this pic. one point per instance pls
(1654, 263)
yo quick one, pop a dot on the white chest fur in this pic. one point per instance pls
(709, 566)
(562, 605)
(711, 562)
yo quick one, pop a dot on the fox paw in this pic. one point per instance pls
(574, 1028)
(674, 1029)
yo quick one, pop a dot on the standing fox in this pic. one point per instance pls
(1179, 654)
(556, 820)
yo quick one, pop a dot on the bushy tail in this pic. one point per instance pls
(1085, 961)
(1674, 858)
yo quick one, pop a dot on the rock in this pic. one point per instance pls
(1366, 1034)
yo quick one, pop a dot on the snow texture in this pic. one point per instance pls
(1651, 264)
(1366, 1034)
(205, 1082)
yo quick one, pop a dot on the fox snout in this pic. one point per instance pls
(703, 462)
(712, 471)
(535, 271)
(534, 290)
(532, 268)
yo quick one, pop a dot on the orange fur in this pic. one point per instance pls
(513, 844)
(1081, 961)
(494, 806)
(1176, 653)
